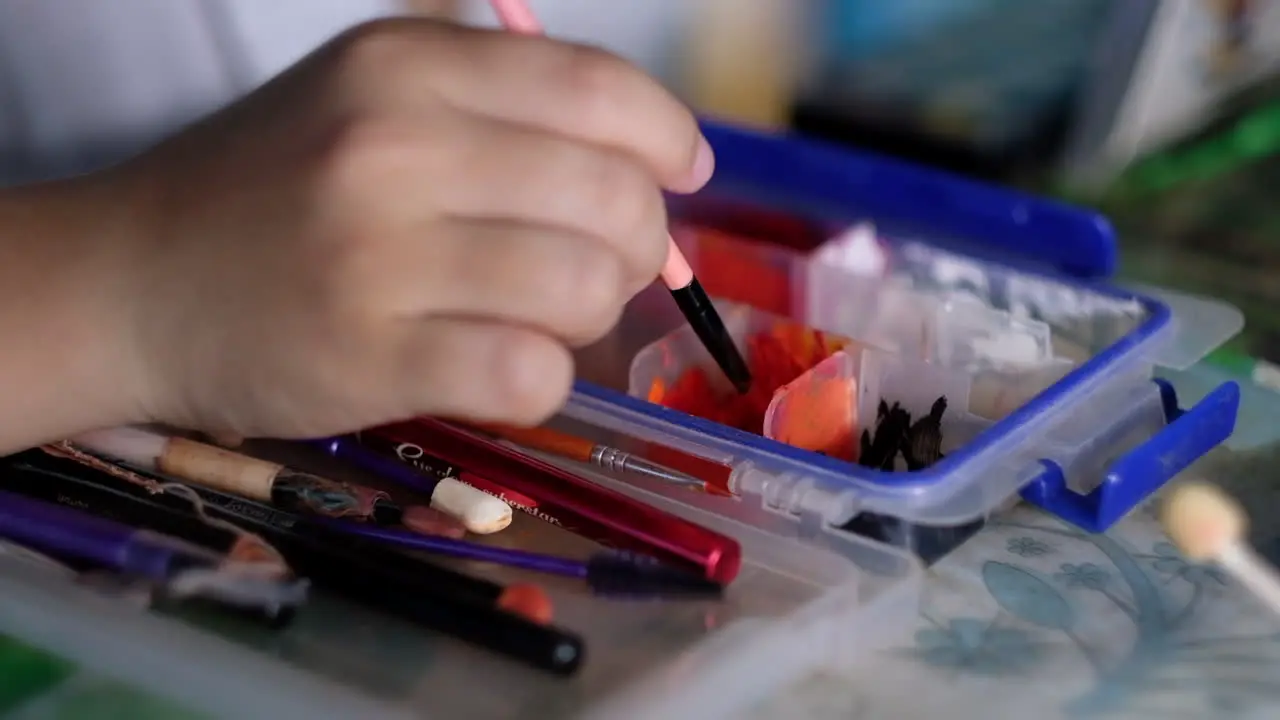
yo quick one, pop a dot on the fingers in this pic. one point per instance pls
(480, 371)
(505, 172)
(486, 172)
(565, 285)
(585, 94)
(578, 92)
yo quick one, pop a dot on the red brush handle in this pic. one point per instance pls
(595, 512)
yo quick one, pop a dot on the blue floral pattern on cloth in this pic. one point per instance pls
(1084, 575)
(1034, 618)
(1028, 546)
(976, 646)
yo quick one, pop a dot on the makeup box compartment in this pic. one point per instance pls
(942, 287)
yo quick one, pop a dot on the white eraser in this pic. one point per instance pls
(479, 512)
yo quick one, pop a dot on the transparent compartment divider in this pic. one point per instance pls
(972, 334)
(680, 350)
(996, 392)
(914, 384)
(882, 312)
(822, 409)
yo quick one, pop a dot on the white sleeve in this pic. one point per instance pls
(87, 83)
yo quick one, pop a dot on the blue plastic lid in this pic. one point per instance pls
(980, 219)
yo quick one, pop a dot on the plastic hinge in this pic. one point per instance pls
(1138, 474)
(776, 169)
(798, 499)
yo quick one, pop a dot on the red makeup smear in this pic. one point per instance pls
(754, 223)
(776, 358)
(742, 270)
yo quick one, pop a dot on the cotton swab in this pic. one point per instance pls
(1206, 525)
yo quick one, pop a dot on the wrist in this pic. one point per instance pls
(70, 249)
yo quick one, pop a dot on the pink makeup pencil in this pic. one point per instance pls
(678, 276)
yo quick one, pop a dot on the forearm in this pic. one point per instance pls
(65, 360)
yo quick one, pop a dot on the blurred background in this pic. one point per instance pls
(1162, 113)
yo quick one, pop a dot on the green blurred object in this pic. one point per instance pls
(26, 673)
(31, 677)
(1201, 217)
(112, 701)
(1254, 137)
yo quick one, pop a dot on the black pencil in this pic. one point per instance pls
(415, 590)
(244, 512)
(42, 477)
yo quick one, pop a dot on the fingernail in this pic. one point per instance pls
(704, 165)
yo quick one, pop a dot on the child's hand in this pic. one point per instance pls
(418, 219)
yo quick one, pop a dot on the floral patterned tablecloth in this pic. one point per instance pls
(1033, 618)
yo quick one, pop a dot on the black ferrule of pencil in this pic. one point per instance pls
(702, 316)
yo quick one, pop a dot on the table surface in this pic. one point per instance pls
(1032, 618)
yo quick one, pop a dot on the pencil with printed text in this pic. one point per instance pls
(611, 573)
(479, 511)
(47, 475)
(714, 477)
(180, 569)
(253, 478)
(558, 496)
(513, 620)
(677, 274)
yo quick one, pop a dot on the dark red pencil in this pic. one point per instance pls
(558, 496)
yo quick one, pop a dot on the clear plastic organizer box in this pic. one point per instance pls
(996, 300)
(1048, 375)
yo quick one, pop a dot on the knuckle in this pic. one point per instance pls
(577, 287)
(624, 196)
(649, 241)
(379, 61)
(349, 155)
(543, 382)
(596, 301)
(372, 48)
(367, 152)
(632, 215)
(597, 83)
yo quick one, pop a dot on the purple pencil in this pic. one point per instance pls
(478, 511)
(178, 566)
(609, 573)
